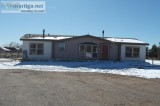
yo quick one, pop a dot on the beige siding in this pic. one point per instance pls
(51, 50)
(72, 47)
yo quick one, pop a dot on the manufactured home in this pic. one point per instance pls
(85, 47)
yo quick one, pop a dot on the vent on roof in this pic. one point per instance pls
(43, 33)
(103, 34)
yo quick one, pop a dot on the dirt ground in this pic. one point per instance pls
(32, 88)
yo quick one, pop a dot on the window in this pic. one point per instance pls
(39, 49)
(90, 51)
(82, 48)
(61, 46)
(128, 52)
(132, 52)
(95, 49)
(36, 49)
(32, 48)
(135, 52)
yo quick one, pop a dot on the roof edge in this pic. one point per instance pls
(133, 43)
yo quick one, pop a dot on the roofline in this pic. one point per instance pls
(72, 37)
(121, 38)
(25, 39)
(85, 36)
(133, 43)
(37, 40)
(41, 35)
(75, 37)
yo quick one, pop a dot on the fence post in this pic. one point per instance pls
(152, 61)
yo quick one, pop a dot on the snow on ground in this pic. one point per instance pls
(155, 62)
(138, 69)
(4, 59)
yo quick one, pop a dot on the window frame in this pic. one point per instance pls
(82, 50)
(132, 52)
(32, 50)
(36, 49)
(91, 50)
(59, 48)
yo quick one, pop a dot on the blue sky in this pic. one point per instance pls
(118, 18)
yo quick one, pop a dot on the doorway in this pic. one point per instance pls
(104, 52)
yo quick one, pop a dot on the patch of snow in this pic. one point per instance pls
(155, 62)
(50, 38)
(5, 49)
(124, 40)
(144, 73)
(5, 59)
(138, 69)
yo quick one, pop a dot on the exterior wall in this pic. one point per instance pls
(113, 52)
(72, 47)
(51, 50)
(142, 55)
(47, 50)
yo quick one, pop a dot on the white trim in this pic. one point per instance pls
(142, 52)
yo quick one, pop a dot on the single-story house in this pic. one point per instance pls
(85, 47)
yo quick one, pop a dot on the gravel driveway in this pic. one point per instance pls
(32, 88)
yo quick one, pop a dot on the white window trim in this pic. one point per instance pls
(85, 51)
(36, 49)
(132, 47)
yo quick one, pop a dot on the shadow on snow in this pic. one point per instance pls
(92, 64)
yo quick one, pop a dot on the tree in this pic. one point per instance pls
(14, 44)
(153, 51)
(147, 52)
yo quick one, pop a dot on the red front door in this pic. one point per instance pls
(104, 52)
